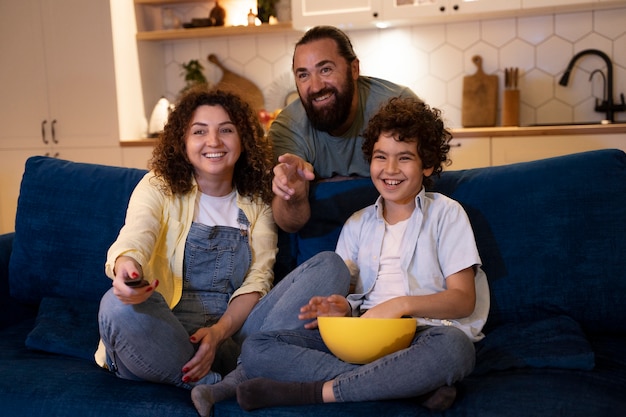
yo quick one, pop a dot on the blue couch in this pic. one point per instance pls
(551, 234)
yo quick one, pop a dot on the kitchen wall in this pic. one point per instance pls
(433, 60)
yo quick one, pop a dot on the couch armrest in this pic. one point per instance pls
(11, 310)
(6, 245)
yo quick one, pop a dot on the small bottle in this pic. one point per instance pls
(251, 18)
(168, 19)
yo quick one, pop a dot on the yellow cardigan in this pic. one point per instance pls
(156, 229)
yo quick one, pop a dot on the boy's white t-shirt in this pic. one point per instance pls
(390, 281)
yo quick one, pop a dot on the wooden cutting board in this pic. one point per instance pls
(480, 97)
(239, 85)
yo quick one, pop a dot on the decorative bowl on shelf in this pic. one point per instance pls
(362, 340)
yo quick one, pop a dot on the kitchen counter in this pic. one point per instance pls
(576, 129)
(469, 132)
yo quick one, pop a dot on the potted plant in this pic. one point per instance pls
(266, 8)
(192, 71)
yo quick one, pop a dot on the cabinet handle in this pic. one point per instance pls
(53, 130)
(442, 9)
(455, 7)
(455, 145)
(43, 132)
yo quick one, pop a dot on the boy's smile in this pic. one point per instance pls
(396, 170)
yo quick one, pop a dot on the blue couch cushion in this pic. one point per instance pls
(555, 342)
(551, 237)
(68, 214)
(66, 326)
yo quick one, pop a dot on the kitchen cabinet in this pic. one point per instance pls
(424, 10)
(358, 14)
(59, 88)
(469, 153)
(367, 14)
(508, 150)
(345, 14)
(136, 156)
(534, 4)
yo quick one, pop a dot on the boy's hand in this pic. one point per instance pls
(334, 305)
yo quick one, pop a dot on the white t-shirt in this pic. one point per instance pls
(217, 211)
(390, 280)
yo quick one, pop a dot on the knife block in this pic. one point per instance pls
(510, 108)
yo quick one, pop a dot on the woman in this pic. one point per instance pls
(199, 230)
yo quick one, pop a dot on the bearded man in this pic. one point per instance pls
(319, 136)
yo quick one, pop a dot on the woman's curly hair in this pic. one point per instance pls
(253, 170)
(411, 120)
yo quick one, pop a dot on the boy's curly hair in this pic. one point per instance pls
(253, 170)
(411, 120)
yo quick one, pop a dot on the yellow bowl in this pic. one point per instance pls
(362, 340)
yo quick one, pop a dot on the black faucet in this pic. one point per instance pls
(607, 104)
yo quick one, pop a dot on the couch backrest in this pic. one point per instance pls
(551, 234)
(68, 214)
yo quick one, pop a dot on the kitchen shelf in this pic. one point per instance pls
(161, 2)
(213, 31)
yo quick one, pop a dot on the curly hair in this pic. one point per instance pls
(253, 170)
(411, 120)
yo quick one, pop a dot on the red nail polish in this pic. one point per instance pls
(185, 379)
(193, 339)
(185, 370)
(135, 275)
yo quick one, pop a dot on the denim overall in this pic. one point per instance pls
(155, 347)
(216, 261)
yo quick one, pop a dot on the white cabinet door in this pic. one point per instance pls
(404, 10)
(24, 101)
(58, 76)
(345, 14)
(482, 6)
(80, 71)
(540, 4)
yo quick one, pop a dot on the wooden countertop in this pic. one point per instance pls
(470, 132)
(582, 129)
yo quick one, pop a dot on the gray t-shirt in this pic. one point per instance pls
(292, 132)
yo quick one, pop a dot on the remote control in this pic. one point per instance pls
(136, 282)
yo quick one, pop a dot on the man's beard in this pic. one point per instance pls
(329, 118)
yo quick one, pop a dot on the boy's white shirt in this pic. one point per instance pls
(439, 241)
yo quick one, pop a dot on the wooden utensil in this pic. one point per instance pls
(480, 97)
(510, 103)
(239, 85)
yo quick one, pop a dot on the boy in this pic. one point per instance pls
(412, 253)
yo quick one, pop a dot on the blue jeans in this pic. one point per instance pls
(437, 356)
(149, 342)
